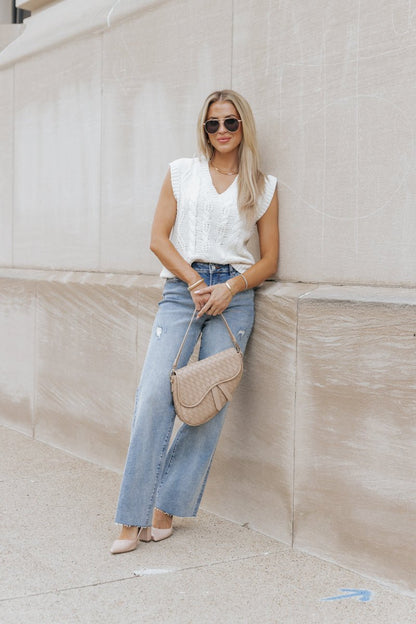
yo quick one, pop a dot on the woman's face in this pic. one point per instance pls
(224, 141)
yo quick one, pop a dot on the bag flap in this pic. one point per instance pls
(193, 382)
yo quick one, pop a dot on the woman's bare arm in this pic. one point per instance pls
(163, 248)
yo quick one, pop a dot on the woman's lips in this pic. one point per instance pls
(223, 139)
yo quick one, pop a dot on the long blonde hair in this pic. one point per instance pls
(250, 179)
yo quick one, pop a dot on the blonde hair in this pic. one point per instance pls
(250, 179)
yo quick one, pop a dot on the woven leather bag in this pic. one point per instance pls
(201, 389)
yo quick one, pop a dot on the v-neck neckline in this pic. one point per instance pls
(211, 181)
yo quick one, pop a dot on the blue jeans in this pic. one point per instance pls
(173, 479)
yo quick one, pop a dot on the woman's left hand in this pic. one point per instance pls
(219, 300)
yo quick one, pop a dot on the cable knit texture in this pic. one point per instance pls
(209, 226)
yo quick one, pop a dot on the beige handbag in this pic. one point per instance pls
(201, 389)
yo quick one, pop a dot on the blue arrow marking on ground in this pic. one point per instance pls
(363, 595)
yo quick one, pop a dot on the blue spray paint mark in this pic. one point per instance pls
(363, 595)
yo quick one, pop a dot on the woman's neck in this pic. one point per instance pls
(226, 162)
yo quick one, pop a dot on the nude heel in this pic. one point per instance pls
(161, 534)
(145, 534)
(124, 545)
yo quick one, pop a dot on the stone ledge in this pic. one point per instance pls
(363, 294)
(81, 277)
(63, 21)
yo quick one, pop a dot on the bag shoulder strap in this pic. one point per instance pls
(233, 340)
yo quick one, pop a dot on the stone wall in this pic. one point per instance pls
(103, 96)
(5, 12)
(95, 99)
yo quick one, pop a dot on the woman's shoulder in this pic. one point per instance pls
(183, 165)
(270, 183)
(182, 171)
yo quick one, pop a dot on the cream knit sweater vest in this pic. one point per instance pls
(208, 226)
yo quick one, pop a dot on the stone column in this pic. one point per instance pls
(5, 11)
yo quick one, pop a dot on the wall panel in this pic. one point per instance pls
(17, 353)
(6, 167)
(333, 95)
(88, 362)
(158, 69)
(355, 445)
(57, 158)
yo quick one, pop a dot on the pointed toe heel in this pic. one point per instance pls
(144, 534)
(160, 534)
(122, 546)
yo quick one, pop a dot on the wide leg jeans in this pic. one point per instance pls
(172, 478)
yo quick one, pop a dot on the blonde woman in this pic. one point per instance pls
(207, 211)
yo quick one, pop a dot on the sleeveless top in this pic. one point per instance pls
(208, 225)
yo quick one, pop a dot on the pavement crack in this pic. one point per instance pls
(151, 571)
(136, 574)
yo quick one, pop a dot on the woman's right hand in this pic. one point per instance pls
(200, 300)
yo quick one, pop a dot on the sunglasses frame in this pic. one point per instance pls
(240, 121)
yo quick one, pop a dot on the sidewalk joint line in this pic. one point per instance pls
(133, 576)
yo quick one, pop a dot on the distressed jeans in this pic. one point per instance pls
(173, 477)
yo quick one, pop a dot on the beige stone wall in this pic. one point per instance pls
(355, 442)
(5, 11)
(105, 95)
(95, 99)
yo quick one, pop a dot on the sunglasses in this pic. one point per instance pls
(230, 123)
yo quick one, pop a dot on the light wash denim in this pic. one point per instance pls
(173, 479)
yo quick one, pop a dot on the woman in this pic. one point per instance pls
(207, 210)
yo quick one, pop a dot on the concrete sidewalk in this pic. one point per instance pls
(56, 567)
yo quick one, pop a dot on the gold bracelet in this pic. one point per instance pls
(229, 288)
(244, 278)
(195, 284)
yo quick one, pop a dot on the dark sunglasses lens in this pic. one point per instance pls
(212, 125)
(231, 124)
